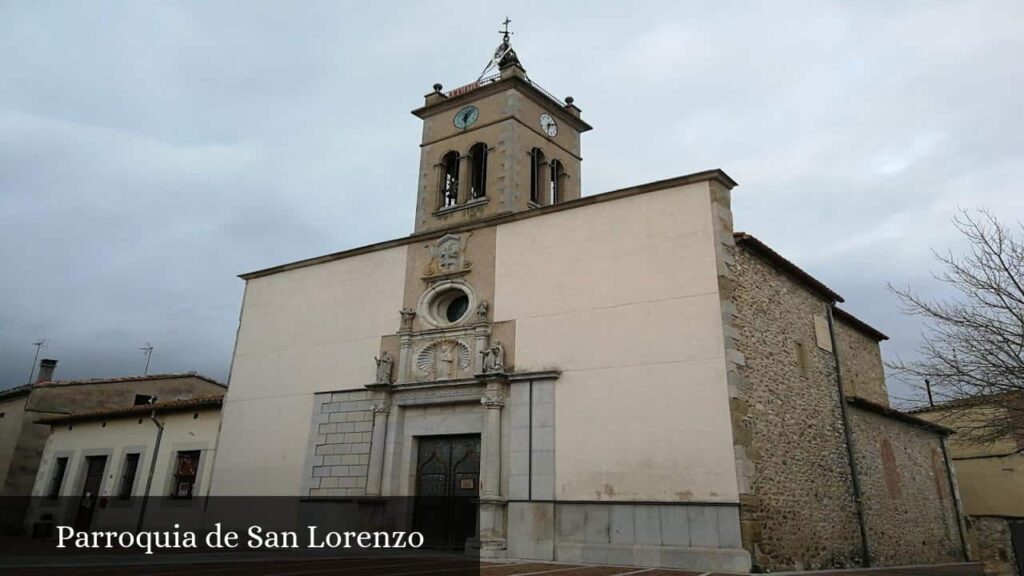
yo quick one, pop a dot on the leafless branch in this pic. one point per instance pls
(972, 350)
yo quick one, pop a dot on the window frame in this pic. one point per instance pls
(126, 485)
(448, 184)
(190, 479)
(60, 471)
(478, 154)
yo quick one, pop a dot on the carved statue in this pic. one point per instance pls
(407, 315)
(445, 361)
(494, 358)
(481, 310)
(384, 364)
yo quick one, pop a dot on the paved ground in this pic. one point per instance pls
(404, 566)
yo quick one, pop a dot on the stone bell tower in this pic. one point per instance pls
(498, 145)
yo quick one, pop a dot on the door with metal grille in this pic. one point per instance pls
(447, 486)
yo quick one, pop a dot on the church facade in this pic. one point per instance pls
(618, 378)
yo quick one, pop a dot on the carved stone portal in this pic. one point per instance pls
(443, 359)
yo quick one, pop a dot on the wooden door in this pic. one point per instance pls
(447, 486)
(94, 466)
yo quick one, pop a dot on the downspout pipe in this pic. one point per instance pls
(850, 454)
(955, 495)
(152, 468)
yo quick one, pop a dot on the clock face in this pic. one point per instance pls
(464, 118)
(547, 124)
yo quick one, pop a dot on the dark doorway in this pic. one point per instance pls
(447, 486)
(1017, 536)
(94, 466)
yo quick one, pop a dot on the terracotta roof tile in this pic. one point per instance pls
(141, 409)
(130, 379)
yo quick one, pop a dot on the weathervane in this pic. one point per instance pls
(504, 54)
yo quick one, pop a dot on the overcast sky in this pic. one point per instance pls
(152, 151)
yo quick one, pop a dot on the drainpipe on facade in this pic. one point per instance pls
(213, 462)
(854, 477)
(152, 468)
(954, 493)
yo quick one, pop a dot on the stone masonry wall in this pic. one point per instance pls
(861, 357)
(799, 512)
(341, 444)
(909, 507)
(993, 545)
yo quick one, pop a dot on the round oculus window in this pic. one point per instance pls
(447, 306)
(457, 308)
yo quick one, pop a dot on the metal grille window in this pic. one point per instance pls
(185, 473)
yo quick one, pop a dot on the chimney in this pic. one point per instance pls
(46, 368)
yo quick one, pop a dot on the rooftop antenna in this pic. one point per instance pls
(38, 344)
(148, 351)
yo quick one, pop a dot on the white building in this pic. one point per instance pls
(98, 467)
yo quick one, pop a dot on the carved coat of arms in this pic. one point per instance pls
(448, 255)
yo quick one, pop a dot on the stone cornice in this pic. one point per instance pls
(524, 86)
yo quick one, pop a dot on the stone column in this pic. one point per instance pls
(463, 196)
(482, 332)
(490, 456)
(492, 504)
(404, 358)
(375, 468)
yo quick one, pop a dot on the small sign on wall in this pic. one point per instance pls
(467, 484)
(821, 333)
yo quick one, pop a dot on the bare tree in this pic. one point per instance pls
(972, 352)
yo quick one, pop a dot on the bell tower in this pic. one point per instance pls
(497, 145)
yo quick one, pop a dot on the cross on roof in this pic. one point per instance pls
(505, 32)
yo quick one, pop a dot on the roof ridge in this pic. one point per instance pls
(166, 376)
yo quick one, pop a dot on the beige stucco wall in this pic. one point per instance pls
(303, 331)
(622, 297)
(992, 486)
(118, 437)
(990, 475)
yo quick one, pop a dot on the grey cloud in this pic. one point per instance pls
(150, 152)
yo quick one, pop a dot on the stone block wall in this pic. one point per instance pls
(695, 536)
(798, 511)
(993, 545)
(531, 463)
(340, 446)
(863, 372)
(909, 508)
